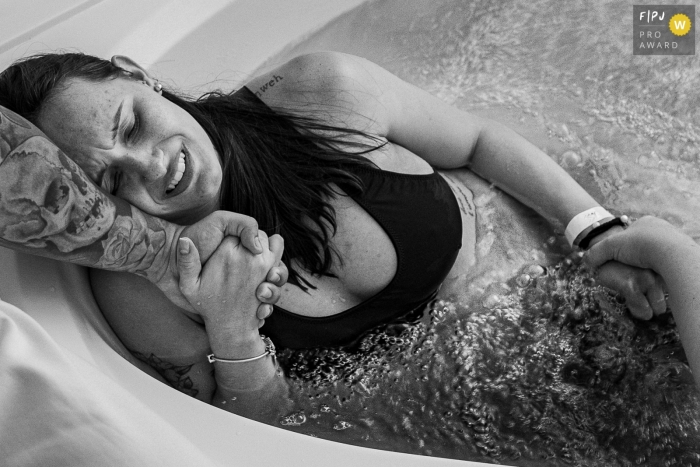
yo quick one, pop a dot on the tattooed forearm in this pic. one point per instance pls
(175, 375)
(49, 206)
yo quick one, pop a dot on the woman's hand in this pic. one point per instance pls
(628, 261)
(227, 291)
(224, 293)
(206, 235)
(269, 292)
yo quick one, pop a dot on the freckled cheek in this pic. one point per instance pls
(68, 138)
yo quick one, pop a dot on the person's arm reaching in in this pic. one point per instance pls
(655, 244)
(50, 207)
(248, 382)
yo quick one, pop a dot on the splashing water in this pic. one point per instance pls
(525, 360)
(555, 372)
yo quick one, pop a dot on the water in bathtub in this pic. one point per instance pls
(525, 360)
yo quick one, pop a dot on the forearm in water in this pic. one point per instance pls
(49, 207)
(680, 268)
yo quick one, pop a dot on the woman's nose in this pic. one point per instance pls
(150, 164)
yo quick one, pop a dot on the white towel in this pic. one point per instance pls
(58, 410)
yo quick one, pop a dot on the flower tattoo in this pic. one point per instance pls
(130, 243)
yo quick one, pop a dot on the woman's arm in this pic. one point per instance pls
(228, 302)
(160, 334)
(655, 244)
(355, 92)
(49, 207)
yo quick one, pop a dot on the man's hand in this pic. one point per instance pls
(207, 235)
(643, 289)
(225, 292)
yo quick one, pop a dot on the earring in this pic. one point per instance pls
(158, 87)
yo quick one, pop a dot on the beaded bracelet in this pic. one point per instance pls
(269, 350)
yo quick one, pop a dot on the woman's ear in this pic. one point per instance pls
(136, 71)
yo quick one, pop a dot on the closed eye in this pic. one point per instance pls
(116, 180)
(134, 129)
(111, 182)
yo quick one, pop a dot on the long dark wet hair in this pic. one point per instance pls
(278, 167)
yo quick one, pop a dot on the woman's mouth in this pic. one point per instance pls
(182, 175)
(181, 165)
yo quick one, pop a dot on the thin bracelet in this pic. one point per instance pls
(596, 230)
(584, 220)
(269, 350)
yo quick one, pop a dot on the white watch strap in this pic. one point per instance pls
(583, 220)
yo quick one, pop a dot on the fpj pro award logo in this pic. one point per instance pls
(664, 30)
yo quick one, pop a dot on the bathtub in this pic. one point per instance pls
(168, 36)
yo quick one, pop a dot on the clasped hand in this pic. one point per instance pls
(642, 288)
(214, 235)
(229, 289)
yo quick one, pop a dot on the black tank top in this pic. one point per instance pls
(421, 216)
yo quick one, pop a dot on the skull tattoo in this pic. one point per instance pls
(44, 201)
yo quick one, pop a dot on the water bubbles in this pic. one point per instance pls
(523, 280)
(576, 314)
(536, 255)
(492, 301)
(441, 310)
(651, 161)
(535, 270)
(342, 425)
(690, 154)
(294, 419)
(570, 160)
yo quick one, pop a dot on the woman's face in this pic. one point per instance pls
(137, 145)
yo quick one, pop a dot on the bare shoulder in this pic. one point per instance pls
(155, 331)
(342, 87)
(315, 72)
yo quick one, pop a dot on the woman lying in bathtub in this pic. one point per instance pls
(331, 152)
